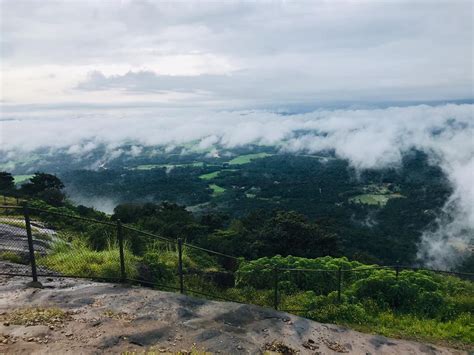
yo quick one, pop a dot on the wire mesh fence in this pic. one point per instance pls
(149, 260)
(72, 246)
(211, 274)
(14, 246)
(45, 243)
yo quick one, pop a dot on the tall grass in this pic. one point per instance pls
(77, 259)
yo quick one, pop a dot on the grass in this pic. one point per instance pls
(37, 316)
(214, 174)
(76, 259)
(374, 199)
(13, 222)
(8, 200)
(216, 190)
(11, 257)
(247, 158)
(456, 333)
(210, 176)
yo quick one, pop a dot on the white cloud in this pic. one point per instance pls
(239, 53)
(370, 138)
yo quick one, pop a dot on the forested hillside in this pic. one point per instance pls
(375, 215)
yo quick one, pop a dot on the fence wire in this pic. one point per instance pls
(72, 246)
(14, 247)
(150, 260)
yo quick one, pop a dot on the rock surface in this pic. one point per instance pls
(108, 318)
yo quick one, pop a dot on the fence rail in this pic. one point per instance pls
(35, 239)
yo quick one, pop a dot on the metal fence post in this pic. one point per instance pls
(397, 270)
(397, 295)
(275, 288)
(123, 275)
(31, 247)
(180, 265)
(339, 283)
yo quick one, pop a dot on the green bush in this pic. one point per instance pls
(160, 270)
(415, 292)
(259, 273)
(12, 257)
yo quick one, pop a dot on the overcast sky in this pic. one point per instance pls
(226, 54)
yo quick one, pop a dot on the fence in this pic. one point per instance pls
(44, 244)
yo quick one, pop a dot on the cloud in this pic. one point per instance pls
(148, 81)
(246, 54)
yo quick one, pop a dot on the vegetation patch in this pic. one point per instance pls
(11, 257)
(77, 259)
(9, 201)
(216, 190)
(419, 305)
(37, 316)
(210, 176)
(247, 158)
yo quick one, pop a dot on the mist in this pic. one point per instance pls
(367, 138)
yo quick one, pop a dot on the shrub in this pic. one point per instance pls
(76, 259)
(259, 273)
(412, 292)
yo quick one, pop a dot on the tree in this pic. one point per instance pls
(46, 187)
(167, 219)
(7, 183)
(290, 233)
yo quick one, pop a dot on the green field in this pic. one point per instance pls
(245, 159)
(210, 176)
(374, 199)
(216, 190)
(214, 174)
(19, 179)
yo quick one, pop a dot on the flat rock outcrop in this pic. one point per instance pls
(108, 318)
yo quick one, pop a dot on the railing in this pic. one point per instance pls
(51, 244)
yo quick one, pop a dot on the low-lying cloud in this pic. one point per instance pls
(373, 138)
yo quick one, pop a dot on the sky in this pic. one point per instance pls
(234, 54)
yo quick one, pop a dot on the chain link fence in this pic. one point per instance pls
(14, 244)
(44, 243)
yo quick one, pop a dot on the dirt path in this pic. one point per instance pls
(101, 317)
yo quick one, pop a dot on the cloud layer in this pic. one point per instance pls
(235, 54)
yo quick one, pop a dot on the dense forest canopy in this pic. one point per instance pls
(258, 203)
